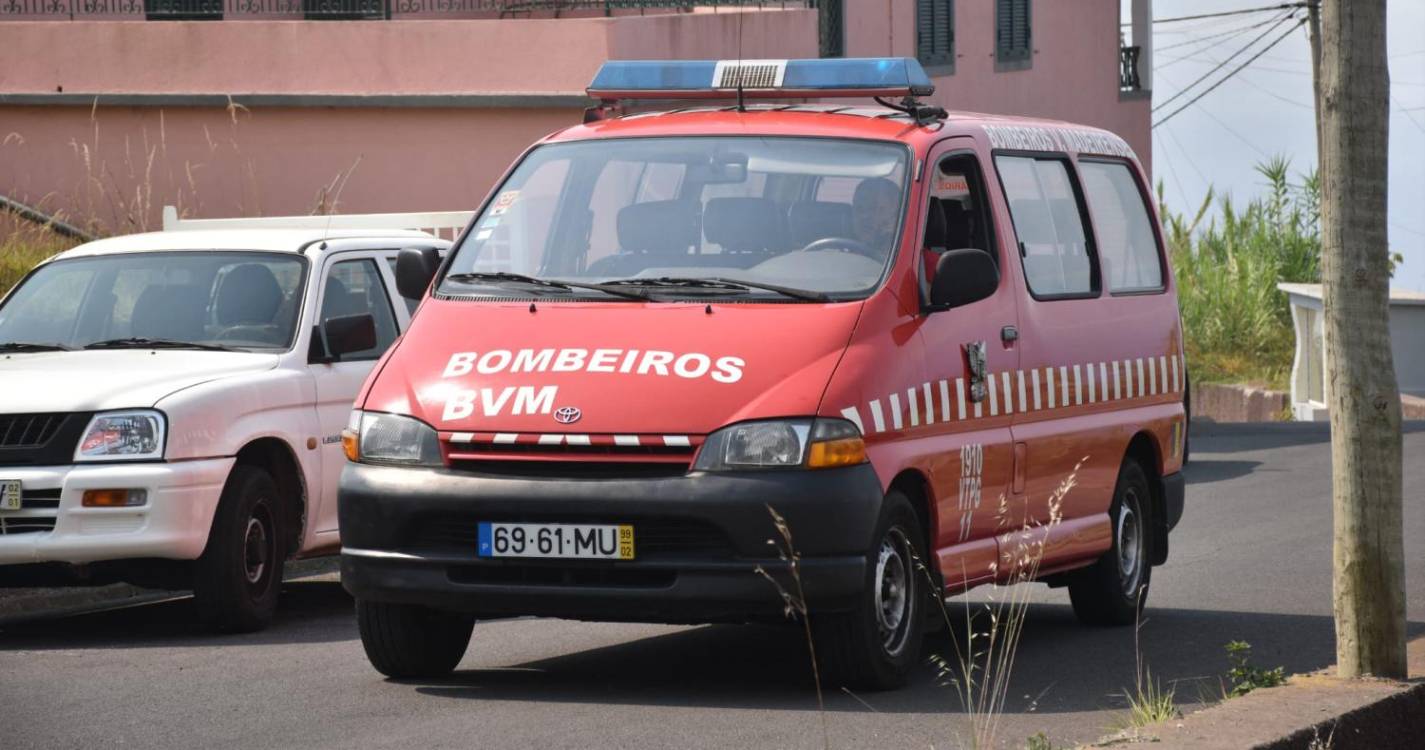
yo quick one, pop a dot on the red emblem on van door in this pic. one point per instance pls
(567, 415)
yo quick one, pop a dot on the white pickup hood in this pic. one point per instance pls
(112, 379)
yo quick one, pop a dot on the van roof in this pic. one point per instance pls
(271, 240)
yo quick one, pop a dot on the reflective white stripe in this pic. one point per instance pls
(1140, 377)
(626, 440)
(1093, 384)
(1008, 397)
(551, 439)
(896, 419)
(1049, 381)
(677, 441)
(505, 438)
(929, 409)
(1103, 381)
(577, 439)
(1177, 385)
(1023, 402)
(1117, 394)
(358, 552)
(1152, 377)
(1078, 387)
(1163, 368)
(1034, 376)
(462, 437)
(960, 395)
(994, 400)
(979, 410)
(876, 417)
(910, 398)
(945, 400)
(854, 417)
(1063, 385)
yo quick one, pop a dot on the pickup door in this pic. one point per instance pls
(352, 282)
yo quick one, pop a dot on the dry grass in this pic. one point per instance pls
(22, 246)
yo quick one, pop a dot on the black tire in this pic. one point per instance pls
(874, 646)
(411, 641)
(237, 580)
(1113, 590)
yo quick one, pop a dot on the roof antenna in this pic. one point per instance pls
(741, 103)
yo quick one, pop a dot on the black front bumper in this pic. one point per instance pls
(409, 535)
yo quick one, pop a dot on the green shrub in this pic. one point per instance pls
(1244, 677)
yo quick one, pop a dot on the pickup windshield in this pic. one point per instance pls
(200, 300)
(801, 219)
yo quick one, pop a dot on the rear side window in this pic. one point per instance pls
(1127, 247)
(1052, 242)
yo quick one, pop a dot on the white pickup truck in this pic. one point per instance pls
(171, 403)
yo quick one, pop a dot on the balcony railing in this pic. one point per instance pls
(1128, 78)
(192, 10)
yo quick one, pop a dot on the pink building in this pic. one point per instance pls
(110, 109)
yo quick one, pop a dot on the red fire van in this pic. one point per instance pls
(901, 329)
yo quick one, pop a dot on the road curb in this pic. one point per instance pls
(18, 605)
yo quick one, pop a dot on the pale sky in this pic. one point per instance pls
(1266, 110)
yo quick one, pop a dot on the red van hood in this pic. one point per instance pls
(627, 368)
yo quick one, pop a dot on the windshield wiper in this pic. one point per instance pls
(140, 342)
(519, 278)
(31, 346)
(718, 282)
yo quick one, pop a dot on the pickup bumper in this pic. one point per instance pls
(53, 526)
(409, 535)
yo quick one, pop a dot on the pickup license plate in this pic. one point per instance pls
(556, 540)
(9, 494)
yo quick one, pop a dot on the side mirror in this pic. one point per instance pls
(963, 276)
(347, 334)
(415, 267)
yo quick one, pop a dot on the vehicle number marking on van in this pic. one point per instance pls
(972, 469)
(9, 494)
(558, 540)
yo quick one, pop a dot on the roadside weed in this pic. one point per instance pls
(1244, 677)
(794, 604)
(1038, 742)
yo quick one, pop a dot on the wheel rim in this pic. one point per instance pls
(894, 588)
(257, 548)
(1129, 532)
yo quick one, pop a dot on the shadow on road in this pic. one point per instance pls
(310, 612)
(1255, 436)
(1061, 666)
(1208, 470)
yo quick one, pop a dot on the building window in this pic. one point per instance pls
(1012, 37)
(935, 34)
(831, 27)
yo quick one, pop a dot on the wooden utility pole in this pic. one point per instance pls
(1353, 92)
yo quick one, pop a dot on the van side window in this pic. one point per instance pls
(1052, 241)
(955, 216)
(1127, 245)
(354, 287)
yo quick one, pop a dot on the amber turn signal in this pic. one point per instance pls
(114, 498)
(349, 445)
(829, 454)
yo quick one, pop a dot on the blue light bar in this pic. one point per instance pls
(760, 79)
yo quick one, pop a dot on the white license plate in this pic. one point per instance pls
(562, 540)
(9, 494)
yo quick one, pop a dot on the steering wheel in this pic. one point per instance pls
(844, 244)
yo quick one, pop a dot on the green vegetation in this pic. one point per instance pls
(22, 245)
(1244, 677)
(1038, 742)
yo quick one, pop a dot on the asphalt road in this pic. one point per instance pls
(1250, 561)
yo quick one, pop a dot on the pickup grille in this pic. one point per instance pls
(40, 439)
(38, 511)
(28, 430)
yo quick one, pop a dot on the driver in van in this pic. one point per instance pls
(874, 214)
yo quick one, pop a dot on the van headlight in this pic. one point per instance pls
(381, 438)
(782, 444)
(134, 435)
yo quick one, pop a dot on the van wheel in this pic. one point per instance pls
(1114, 589)
(237, 579)
(874, 646)
(407, 640)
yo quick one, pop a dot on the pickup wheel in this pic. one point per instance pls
(1113, 590)
(238, 577)
(875, 645)
(408, 640)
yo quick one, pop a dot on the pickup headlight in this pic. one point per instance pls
(380, 438)
(136, 435)
(782, 444)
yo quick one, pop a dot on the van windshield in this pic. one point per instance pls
(199, 300)
(809, 218)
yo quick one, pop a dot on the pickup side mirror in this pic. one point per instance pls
(963, 276)
(415, 267)
(343, 335)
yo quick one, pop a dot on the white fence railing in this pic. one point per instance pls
(443, 224)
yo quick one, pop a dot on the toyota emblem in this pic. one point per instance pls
(567, 415)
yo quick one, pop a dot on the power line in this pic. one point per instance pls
(1236, 70)
(1230, 130)
(1222, 64)
(1200, 16)
(1230, 33)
